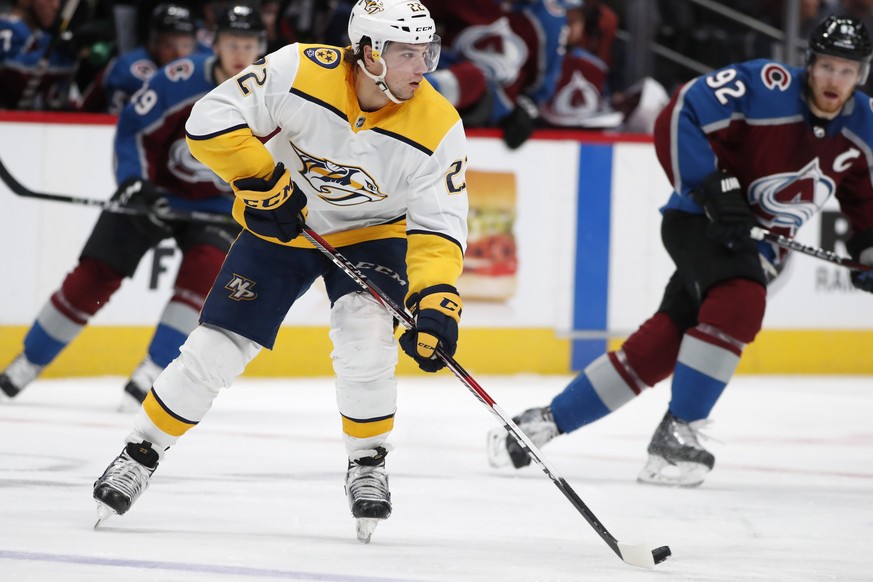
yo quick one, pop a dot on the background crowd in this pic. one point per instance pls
(518, 65)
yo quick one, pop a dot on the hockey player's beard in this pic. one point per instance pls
(825, 107)
(825, 101)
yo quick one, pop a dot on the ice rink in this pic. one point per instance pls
(255, 492)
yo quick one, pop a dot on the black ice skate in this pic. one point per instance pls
(367, 490)
(676, 457)
(124, 480)
(537, 423)
(18, 374)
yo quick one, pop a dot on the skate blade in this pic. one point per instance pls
(498, 455)
(659, 471)
(365, 526)
(104, 512)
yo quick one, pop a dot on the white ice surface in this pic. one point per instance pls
(256, 491)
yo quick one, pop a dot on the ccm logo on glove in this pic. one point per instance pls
(437, 311)
(274, 207)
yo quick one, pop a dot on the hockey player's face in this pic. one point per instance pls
(236, 52)
(169, 47)
(832, 81)
(45, 12)
(407, 64)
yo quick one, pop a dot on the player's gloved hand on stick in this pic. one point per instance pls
(437, 311)
(729, 213)
(275, 207)
(136, 192)
(520, 123)
(860, 247)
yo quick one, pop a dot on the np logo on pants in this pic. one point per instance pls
(241, 288)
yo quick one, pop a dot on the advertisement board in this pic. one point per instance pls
(564, 260)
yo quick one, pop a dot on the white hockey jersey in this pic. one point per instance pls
(395, 172)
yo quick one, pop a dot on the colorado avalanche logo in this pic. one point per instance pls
(776, 77)
(180, 70)
(323, 56)
(143, 69)
(789, 199)
(495, 47)
(574, 102)
(185, 167)
(337, 184)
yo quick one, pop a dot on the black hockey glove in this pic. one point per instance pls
(861, 248)
(520, 123)
(143, 195)
(730, 217)
(437, 312)
(275, 207)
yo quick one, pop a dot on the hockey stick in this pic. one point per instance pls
(633, 554)
(162, 212)
(29, 93)
(758, 233)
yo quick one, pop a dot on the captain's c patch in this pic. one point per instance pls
(329, 58)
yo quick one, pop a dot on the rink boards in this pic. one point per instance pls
(567, 259)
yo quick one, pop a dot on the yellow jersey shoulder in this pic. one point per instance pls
(322, 74)
(424, 119)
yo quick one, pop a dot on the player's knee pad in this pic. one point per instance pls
(364, 358)
(210, 360)
(649, 354)
(88, 287)
(735, 307)
(215, 356)
(362, 332)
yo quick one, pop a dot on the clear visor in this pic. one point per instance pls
(412, 58)
(863, 66)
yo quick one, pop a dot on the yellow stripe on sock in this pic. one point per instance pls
(362, 429)
(163, 419)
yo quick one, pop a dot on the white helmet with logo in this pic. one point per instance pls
(385, 21)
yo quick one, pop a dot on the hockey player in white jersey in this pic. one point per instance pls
(355, 142)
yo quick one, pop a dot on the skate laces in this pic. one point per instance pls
(367, 482)
(692, 433)
(22, 371)
(127, 476)
(538, 424)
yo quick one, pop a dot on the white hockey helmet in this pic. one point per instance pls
(384, 21)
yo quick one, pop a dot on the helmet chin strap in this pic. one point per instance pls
(380, 80)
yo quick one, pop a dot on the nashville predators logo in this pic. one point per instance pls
(322, 56)
(241, 288)
(373, 6)
(338, 184)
